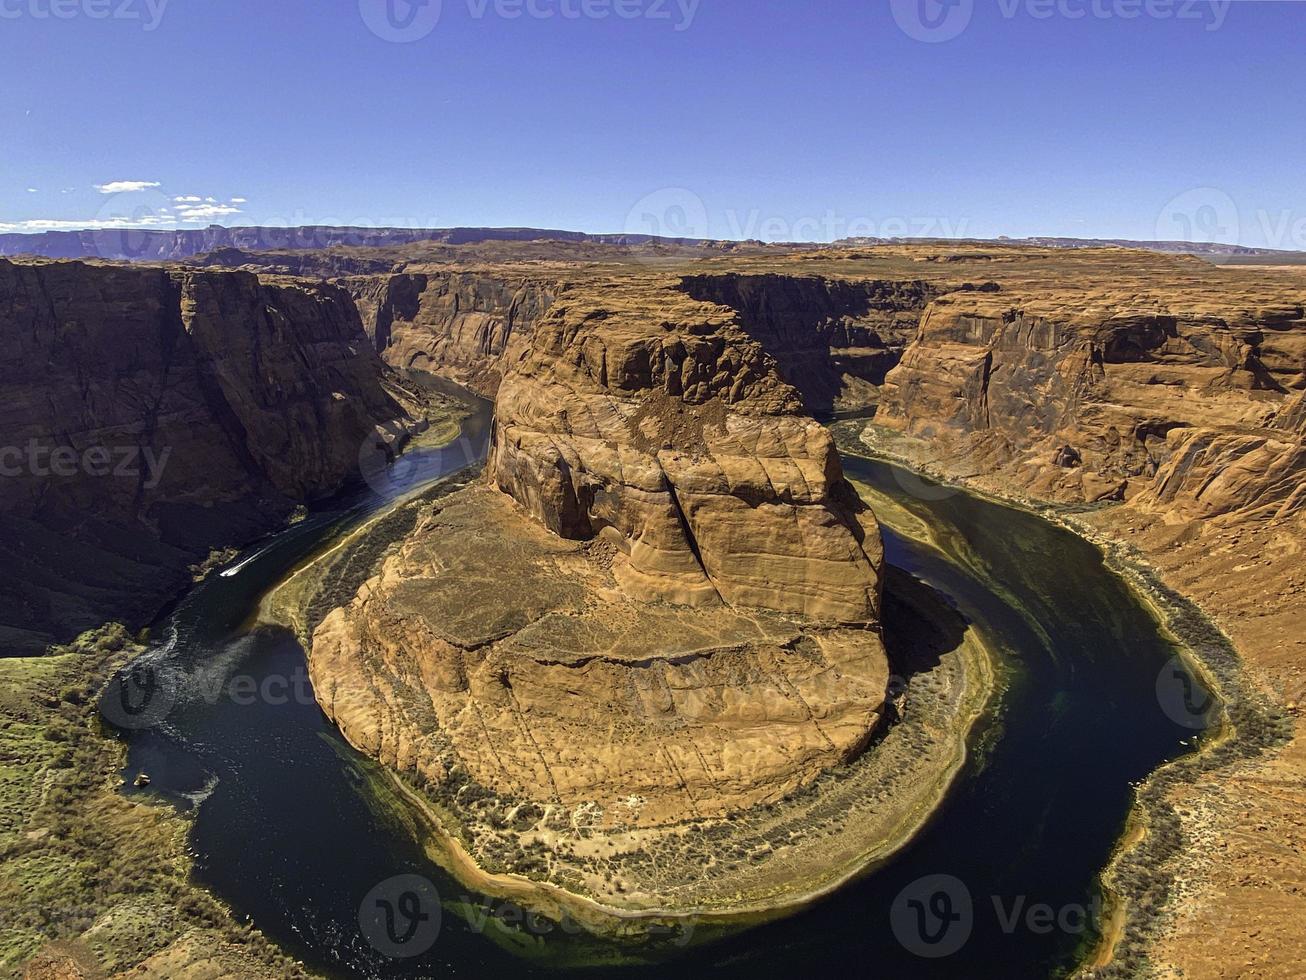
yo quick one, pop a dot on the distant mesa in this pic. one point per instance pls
(174, 246)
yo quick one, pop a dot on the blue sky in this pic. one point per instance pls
(776, 119)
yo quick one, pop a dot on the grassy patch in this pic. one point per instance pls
(86, 873)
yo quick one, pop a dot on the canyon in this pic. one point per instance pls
(650, 475)
(154, 416)
(694, 636)
(1157, 398)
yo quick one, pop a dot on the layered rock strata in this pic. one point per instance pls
(153, 415)
(1179, 390)
(572, 695)
(459, 325)
(664, 610)
(833, 339)
(1183, 400)
(675, 440)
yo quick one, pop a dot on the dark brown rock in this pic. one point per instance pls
(189, 410)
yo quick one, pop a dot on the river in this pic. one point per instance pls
(287, 830)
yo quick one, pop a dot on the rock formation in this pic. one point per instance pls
(575, 696)
(667, 611)
(1170, 394)
(833, 339)
(457, 324)
(151, 416)
(660, 425)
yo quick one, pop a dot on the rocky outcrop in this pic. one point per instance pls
(460, 325)
(1092, 397)
(153, 415)
(660, 425)
(574, 694)
(833, 339)
(692, 621)
(1214, 474)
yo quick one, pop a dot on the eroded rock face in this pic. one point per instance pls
(833, 339)
(1183, 399)
(573, 694)
(459, 325)
(664, 608)
(1215, 474)
(190, 410)
(676, 441)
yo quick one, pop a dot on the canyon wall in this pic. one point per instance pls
(834, 340)
(658, 423)
(462, 325)
(1173, 399)
(153, 415)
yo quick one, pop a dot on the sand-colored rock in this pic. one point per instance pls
(659, 425)
(1156, 389)
(573, 694)
(661, 609)
(456, 324)
(672, 508)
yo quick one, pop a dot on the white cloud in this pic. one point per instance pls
(180, 214)
(92, 224)
(205, 212)
(189, 199)
(240, 200)
(126, 186)
(31, 190)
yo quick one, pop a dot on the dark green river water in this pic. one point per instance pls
(1001, 883)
